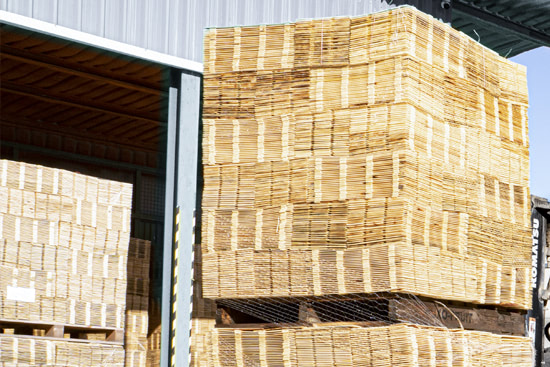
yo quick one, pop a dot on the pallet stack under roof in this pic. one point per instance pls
(383, 153)
(64, 247)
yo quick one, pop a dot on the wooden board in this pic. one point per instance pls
(470, 318)
(49, 330)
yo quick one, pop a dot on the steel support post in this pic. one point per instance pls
(181, 196)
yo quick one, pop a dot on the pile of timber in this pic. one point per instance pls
(355, 156)
(349, 344)
(63, 265)
(384, 152)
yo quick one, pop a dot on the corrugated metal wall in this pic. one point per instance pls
(176, 27)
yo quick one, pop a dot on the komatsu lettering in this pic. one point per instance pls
(535, 253)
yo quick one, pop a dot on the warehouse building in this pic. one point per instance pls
(112, 89)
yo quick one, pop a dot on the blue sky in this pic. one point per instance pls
(538, 81)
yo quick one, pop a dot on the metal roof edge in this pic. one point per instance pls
(99, 42)
(540, 202)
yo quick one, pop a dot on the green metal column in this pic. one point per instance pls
(181, 193)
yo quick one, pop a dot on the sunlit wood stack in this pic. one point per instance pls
(64, 246)
(137, 303)
(426, 271)
(352, 345)
(328, 143)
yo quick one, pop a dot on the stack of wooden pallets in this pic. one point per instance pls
(383, 153)
(137, 303)
(29, 351)
(352, 345)
(390, 147)
(64, 246)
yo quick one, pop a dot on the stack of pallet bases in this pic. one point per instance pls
(64, 246)
(137, 303)
(387, 152)
(352, 345)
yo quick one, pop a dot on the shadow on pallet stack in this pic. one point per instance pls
(137, 303)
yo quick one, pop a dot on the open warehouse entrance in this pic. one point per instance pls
(121, 116)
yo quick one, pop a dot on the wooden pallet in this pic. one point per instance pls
(468, 316)
(62, 331)
(388, 309)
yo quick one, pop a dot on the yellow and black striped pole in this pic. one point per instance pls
(175, 300)
(175, 269)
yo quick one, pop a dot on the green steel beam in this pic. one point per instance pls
(492, 20)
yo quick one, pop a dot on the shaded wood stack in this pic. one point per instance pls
(154, 336)
(29, 351)
(353, 155)
(64, 247)
(137, 303)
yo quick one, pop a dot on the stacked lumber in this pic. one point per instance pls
(137, 303)
(65, 244)
(203, 318)
(63, 252)
(29, 351)
(425, 271)
(352, 345)
(388, 145)
(65, 241)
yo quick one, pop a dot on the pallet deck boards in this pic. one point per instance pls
(60, 331)
(467, 317)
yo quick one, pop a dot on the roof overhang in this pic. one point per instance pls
(99, 42)
(65, 91)
(508, 27)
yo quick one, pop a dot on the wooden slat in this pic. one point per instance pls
(68, 100)
(82, 135)
(471, 318)
(58, 330)
(50, 64)
(82, 58)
